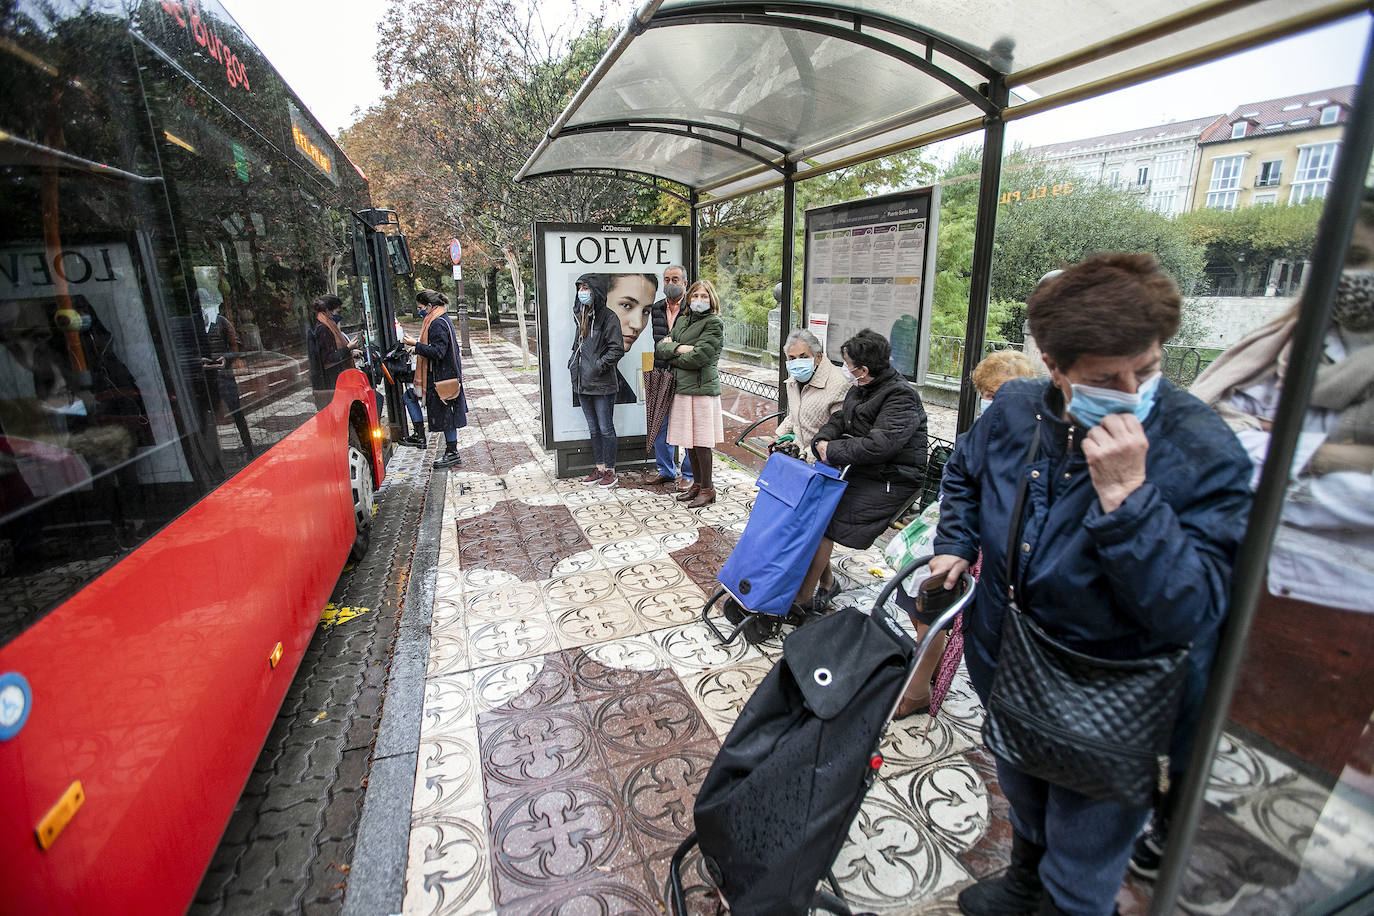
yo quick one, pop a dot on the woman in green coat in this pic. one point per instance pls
(692, 351)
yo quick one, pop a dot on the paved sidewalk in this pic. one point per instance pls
(574, 701)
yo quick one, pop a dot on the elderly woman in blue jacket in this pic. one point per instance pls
(1136, 503)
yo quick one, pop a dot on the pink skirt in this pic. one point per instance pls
(695, 421)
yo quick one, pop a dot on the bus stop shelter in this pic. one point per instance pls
(729, 97)
(726, 98)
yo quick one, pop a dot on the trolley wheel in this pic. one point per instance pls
(733, 612)
(761, 628)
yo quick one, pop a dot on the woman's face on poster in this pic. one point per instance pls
(631, 298)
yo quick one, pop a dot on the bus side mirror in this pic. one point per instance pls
(399, 250)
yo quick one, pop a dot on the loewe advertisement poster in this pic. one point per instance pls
(631, 260)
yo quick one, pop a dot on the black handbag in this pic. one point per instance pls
(1098, 726)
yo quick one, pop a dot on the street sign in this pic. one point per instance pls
(455, 251)
(457, 272)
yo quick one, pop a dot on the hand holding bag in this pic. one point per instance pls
(1098, 726)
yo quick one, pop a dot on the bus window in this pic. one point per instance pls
(249, 285)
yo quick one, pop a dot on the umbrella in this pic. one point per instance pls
(658, 400)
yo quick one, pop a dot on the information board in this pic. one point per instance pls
(871, 264)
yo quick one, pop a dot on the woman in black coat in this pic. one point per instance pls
(438, 347)
(880, 433)
(596, 351)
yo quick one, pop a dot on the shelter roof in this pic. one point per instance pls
(726, 96)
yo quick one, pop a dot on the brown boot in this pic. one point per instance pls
(689, 494)
(705, 497)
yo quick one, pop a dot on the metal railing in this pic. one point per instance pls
(947, 354)
(740, 335)
(1181, 365)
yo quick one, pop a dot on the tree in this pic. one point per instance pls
(472, 89)
(1248, 240)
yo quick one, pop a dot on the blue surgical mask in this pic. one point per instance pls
(984, 403)
(1089, 405)
(801, 369)
(584, 297)
(421, 312)
(847, 373)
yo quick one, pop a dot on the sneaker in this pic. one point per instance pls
(608, 479)
(594, 477)
(1148, 851)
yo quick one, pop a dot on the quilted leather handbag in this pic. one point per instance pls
(1098, 726)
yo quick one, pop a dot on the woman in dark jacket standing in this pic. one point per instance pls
(329, 349)
(1136, 496)
(692, 350)
(880, 433)
(438, 349)
(596, 352)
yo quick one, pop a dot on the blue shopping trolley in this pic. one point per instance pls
(762, 575)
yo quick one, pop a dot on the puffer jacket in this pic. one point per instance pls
(879, 431)
(1152, 575)
(593, 361)
(695, 372)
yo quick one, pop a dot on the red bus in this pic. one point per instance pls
(181, 477)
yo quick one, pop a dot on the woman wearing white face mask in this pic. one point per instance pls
(692, 350)
(1116, 503)
(815, 389)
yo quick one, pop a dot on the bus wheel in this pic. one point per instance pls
(360, 487)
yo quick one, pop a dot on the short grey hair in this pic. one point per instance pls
(802, 335)
(676, 267)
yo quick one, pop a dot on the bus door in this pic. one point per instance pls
(380, 258)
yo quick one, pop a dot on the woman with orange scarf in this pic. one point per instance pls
(436, 372)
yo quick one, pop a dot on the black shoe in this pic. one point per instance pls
(448, 460)
(1148, 850)
(1016, 891)
(411, 441)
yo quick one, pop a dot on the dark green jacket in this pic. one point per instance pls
(694, 371)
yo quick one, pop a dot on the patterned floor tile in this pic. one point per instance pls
(918, 741)
(693, 649)
(644, 723)
(889, 861)
(450, 704)
(592, 623)
(448, 651)
(529, 684)
(721, 693)
(508, 640)
(948, 798)
(449, 870)
(668, 608)
(638, 653)
(507, 602)
(523, 751)
(448, 774)
(661, 575)
(578, 589)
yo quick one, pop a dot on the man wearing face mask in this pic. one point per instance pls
(815, 389)
(1135, 501)
(663, 316)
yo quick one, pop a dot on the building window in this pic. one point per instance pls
(1237, 130)
(1113, 176)
(1162, 202)
(1168, 167)
(1142, 175)
(1313, 174)
(1331, 114)
(1266, 200)
(1270, 173)
(1224, 188)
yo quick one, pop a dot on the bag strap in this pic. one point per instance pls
(453, 348)
(1018, 514)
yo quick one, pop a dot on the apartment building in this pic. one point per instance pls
(1277, 151)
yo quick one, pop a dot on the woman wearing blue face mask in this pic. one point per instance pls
(815, 389)
(1134, 500)
(597, 348)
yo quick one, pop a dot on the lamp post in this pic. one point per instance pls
(455, 251)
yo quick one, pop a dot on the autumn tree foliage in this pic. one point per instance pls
(471, 89)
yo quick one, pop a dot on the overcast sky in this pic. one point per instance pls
(324, 49)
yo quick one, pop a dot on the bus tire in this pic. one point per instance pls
(360, 491)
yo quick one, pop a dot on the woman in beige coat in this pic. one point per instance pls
(815, 389)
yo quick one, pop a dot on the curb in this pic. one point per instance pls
(377, 876)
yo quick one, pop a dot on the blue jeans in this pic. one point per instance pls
(412, 404)
(1087, 843)
(666, 455)
(599, 409)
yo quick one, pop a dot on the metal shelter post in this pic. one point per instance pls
(994, 133)
(789, 207)
(1250, 579)
(694, 240)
